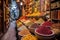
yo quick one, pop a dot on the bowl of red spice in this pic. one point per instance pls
(44, 33)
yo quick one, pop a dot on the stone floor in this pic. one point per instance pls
(11, 33)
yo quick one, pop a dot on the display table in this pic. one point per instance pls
(56, 36)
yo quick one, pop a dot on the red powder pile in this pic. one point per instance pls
(44, 30)
(47, 23)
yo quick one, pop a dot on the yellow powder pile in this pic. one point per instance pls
(29, 37)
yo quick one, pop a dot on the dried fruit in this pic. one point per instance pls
(29, 37)
(24, 32)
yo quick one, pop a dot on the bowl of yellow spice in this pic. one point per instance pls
(29, 37)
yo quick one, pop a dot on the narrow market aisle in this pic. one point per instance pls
(11, 33)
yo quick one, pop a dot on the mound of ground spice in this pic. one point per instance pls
(44, 30)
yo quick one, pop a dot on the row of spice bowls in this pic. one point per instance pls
(42, 31)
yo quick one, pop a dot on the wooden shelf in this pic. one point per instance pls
(56, 19)
(34, 16)
(55, 1)
(57, 8)
(54, 9)
(47, 10)
(55, 14)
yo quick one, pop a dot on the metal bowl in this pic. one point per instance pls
(32, 29)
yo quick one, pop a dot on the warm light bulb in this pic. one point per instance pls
(48, 16)
(21, 3)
